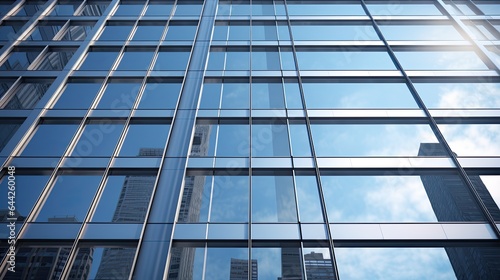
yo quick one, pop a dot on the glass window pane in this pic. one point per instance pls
(228, 263)
(488, 188)
(420, 32)
(341, 60)
(264, 32)
(440, 60)
(237, 60)
(39, 262)
(472, 139)
(195, 199)
(292, 95)
(148, 32)
(77, 96)
(172, 60)
(318, 263)
(94, 9)
(44, 32)
(125, 9)
(186, 263)
(103, 263)
(403, 9)
(277, 263)
(211, 94)
(125, 199)
(299, 9)
(204, 140)
(132, 60)
(230, 200)
(98, 61)
(158, 9)
(267, 96)
(235, 96)
(8, 30)
(160, 96)
(119, 96)
(425, 198)
(19, 60)
(30, 186)
(309, 201)
(69, 199)
(273, 199)
(136, 144)
(76, 33)
(334, 140)
(270, 140)
(299, 137)
(489, 9)
(98, 140)
(26, 96)
(178, 32)
(265, 60)
(459, 95)
(28, 10)
(394, 263)
(357, 95)
(115, 32)
(43, 143)
(233, 140)
(308, 31)
(54, 60)
(65, 8)
(8, 130)
(186, 9)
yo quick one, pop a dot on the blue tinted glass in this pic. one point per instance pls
(77, 96)
(325, 9)
(267, 96)
(99, 61)
(135, 61)
(65, 9)
(264, 32)
(265, 60)
(273, 199)
(19, 60)
(459, 95)
(308, 198)
(177, 32)
(440, 60)
(160, 96)
(394, 263)
(116, 32)
(239, 32)
(26, 96)
(107, 263)
(472, 139)
(240, 9)
(210, 98)
(158, 9)
(237, 60)
(204, 138)
(118, 96)
(334, 32)
(76, 33)
(233, 140)
(186, 9)
(136, 144)
(44, 143)
(264, 9)
(220, 261)
(359, 95)
(403, 9)
(44, 33)
(30, 186)
(292, 95)
(148, 32)
(196, 199)
(370, 140)
(69, 199)
(125, 199)
(230, 199)
(98, 140)
(171, 60)
(340, 60)
(129, 9)
(270, 140)
(235, 96)
(420, 32)
(300, 140)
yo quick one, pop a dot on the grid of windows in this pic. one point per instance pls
(276, 139)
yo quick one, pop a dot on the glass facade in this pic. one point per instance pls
(273, 139)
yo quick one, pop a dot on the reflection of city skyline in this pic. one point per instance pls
(452, 201)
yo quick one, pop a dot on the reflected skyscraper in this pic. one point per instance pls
(452, 201)
(239, 270)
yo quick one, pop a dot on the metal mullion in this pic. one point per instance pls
(10, 92)
(313, 152)
(250, 167)
(433, 123)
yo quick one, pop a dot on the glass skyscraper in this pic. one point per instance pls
(258, 139)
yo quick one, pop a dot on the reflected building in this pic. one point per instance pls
(239, 270)
(317, 267)
(451, 200)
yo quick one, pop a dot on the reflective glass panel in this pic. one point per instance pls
(230, 199)
(264, 32)
(204, 140)
(39, 262)
(26, 96)
(420, 32)
(394, 263)
(341, 60)
(270, 140)
(195, 199)
(30, 186)
(98, 61)
(103, 263)
(137, 142)
(370, 140)
(148, 32)
(265, 59)
(357, 95)
(187, 9)
(8, 130)
(172, 60)
(69, 199)
(489, 9)
(54, 60)
(235, 96)
(299, 9)
(98, 140)
(130, 9)
(273, 199)
(118, 96)
(211, 94)
(160, 96)
(228, 263)
(115, 32)
(19, 60)
(459, 95)
(77, 96)
(125, 199)
(440, 60)
(318, 263)
(309, 31)
(28, 10)
(158, 9)
(299, 138)
(233, 140)
(65, 8)
(267, 96)
(44, 32)
(472, 139)
(403, 9)
(488, 188)
(94, 9)
(76, 33)
(276, 263)
(186, 263)
(178, 32)
(43, 143)
(8, 30)
(308, 198)
(132, 60)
